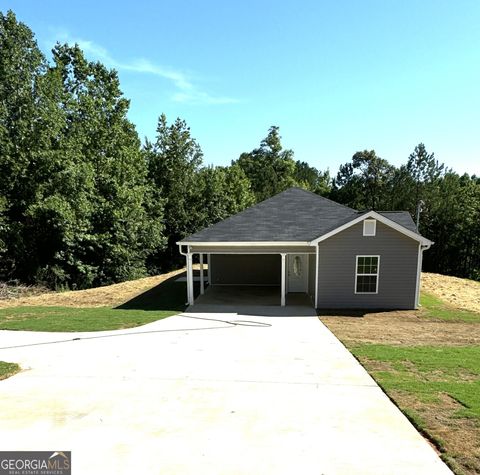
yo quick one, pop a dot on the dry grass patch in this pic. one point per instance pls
(108, 296)
(457, 438)
(12, 290)
(462, 293)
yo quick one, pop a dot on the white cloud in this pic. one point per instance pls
(186, 92)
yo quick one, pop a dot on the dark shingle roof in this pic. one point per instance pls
(400, 217)
(293, 215)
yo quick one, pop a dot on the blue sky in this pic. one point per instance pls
(335, 76)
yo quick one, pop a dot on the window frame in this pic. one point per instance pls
(369, 220)
(377, 274)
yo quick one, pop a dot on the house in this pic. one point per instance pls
(302, 242)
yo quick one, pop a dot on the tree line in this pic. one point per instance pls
(84, 203)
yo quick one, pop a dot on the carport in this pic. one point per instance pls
(257, 274)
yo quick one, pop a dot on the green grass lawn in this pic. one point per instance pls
(8, 369)
(67, 319)
(435, 308)
(164, 300)
(429, 372)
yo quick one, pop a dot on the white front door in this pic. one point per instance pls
(297, 272)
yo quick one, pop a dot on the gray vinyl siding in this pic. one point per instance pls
(231, 269)
(311, 275)
(397, 270)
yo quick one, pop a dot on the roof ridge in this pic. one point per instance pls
(381, 211)
(396, 211)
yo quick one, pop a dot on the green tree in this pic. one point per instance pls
(451, 218)
(73, 188)
(27, 121)
(424, 169)
(423, 173)
(310, 178)
(116, 232)
(347, 187)
(174, 160)
(269, 168)
(365, 182)
(3, 228)
(239, 194)
(376, 174)
(224, 191)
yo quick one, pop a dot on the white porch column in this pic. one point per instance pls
(202, 286)
(317, 261)
(209, 270)
(282, 299)
(189, 278)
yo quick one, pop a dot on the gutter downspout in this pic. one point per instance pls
(421, 248)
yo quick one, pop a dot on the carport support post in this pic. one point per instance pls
(202, 286)
(209, 270)
(282, 299)
(189, 278)
(317, 261)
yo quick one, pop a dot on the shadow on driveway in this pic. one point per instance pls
(169, 295)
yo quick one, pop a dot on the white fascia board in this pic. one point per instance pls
(246, 243)
(382, 219)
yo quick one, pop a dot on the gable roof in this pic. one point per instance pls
(385, 218)
(293, 216)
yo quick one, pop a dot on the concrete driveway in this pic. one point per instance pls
(194, 395)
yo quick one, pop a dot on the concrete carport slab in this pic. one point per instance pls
(255, 300)
(199, 393)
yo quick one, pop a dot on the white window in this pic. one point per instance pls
(369, 227)
(366, 274)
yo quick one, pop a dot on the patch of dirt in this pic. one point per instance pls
(462, 293)
(108, 296)
(460, 437)
(376, 365)
(401, 328)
